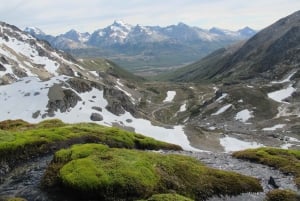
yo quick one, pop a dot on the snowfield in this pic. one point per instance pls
(232, 144)
(244, 115)
(170, 96)
(23, 98)
(282, 94)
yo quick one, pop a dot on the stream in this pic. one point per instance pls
(24, 180)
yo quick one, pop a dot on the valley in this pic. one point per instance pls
(87, 126)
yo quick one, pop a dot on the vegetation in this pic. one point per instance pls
(167, 197)
(282, 195)
(106, 66)
(21, 140)
(12, 199)
(287, 161)
(98, 172)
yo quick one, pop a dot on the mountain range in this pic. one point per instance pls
(136, 47)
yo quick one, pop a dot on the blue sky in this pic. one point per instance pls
(58, 16)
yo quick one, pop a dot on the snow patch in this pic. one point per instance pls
(278, 126)
(232, 144)
(222, 109)
(282, 94)
(286, 79)
(170, 96)
(244, 115)
(224, 95)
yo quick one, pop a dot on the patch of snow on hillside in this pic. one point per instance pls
(119, 83)
(244, 115)
(222, 109)
(23, 48)
(232, 144)
(170, 96)
(182, 108)
(274, 127)
(285, 80)
(224, 95)
(20, 103)
(95, 73)
(282, 94)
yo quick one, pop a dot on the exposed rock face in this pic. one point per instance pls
(118, 102)
(97, 108)
(96, 117)
(61, 99)
(2, 68)
(80, 85)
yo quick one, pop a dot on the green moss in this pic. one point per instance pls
(12, 199)
(282, 195)
(38, 138)
(288, 161)
(97, 171)
(167, 197)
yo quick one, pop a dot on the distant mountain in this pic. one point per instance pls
(139, 46)
(268, 55)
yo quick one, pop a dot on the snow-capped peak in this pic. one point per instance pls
(34, 31)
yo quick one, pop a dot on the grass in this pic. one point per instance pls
(167, 197)
(287, 161)
(98, 172)
(282, 195)
(21, 140)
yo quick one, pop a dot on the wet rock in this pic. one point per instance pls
(96, 117)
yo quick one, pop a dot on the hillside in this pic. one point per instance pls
(269, 55)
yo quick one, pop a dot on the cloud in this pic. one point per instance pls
(56, 16)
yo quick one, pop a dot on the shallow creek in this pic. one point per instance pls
(24, 181)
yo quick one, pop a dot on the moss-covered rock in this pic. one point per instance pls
(287, 161)
(99, 172)
(167, 197)
(282, 195)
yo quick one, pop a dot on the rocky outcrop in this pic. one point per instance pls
(61, 99)
(118, 102)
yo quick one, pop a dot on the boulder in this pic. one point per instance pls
(96, 117)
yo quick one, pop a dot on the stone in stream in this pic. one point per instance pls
(272, 182)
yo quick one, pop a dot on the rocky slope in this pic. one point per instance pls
(141, 47)
(269, 55)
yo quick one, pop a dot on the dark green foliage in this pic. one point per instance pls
(99, 172)
(287, 161)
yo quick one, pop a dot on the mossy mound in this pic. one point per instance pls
(98, 172)
(167, 197)
(282, 195)
(20, 140)
(287, 161)
(12, 199)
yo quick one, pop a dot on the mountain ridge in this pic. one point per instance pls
(138, 48)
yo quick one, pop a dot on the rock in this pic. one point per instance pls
(36, 114)
(272, 182)
(96, 117)
(97, 108)
(2, 68)
(61, 99)
(129, 120)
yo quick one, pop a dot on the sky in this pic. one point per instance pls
(59, 16)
